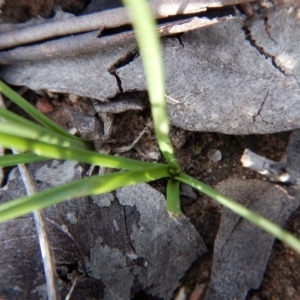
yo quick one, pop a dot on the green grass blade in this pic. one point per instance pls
(80, 188)
(81, 155)
(24, 158)
(173, 198)
(32, 111)
(16, 125)
(244, 212)
(149, 44)
(10, 116)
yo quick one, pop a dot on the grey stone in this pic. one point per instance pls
(225, 83)
(84, 75)
(230, 77)
(278, 35)
(103, 200)
(88, 127)
(58, 173)
(109, 265)
(117, 251)
(214, 155)
(159, 238)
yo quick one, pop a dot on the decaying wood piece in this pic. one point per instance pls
(276, 172)
(231, 77)
(246, 81)
(103, 20)
(242, 250)
(114, 244)
(72, 46)
(246, 78)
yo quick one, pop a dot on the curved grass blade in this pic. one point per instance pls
(10, 116)
(173, 198)
(23, 158)
(16, 125)
(32, 111)
(149, 44)
(81, 155)
(242, 211)
(80, 188)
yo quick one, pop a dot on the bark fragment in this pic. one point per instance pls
(222, 80)
(116, 249)
(242, 250)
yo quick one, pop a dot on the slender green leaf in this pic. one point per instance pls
(173, 198)
(149, 43)
(79, 188)
(18, 126)
(23, 158)
(32, 111)
(10, 116)
(244, 212)
(81, 155)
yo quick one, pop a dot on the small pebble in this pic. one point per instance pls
(44, 106)
(72, 218)
(214, 155)
(73, 98)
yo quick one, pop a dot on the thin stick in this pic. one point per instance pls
(285, 178)
(39, 218)
(278, 172)
(106, 19)
(68, 297)
(41, 228)
(90, 42)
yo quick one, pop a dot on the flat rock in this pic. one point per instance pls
(231, 77)
(128, 245)
(85, 75)
(159, 238)
(225, 82)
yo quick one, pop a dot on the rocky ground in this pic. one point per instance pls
(266, 113)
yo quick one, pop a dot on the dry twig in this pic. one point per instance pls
(112, 18)
(41, 228)
(279, 173)
(90, 42)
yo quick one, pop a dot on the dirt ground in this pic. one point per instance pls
(281, 279)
